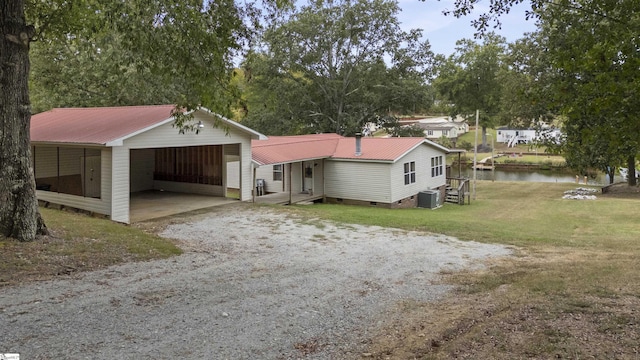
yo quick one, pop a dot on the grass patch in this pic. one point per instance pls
(570, 293)
(77, 243)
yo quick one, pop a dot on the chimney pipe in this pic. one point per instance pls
(358, 144)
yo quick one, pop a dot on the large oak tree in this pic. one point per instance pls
(332, 66)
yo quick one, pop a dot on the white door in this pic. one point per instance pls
(307, 176)
(90, 173)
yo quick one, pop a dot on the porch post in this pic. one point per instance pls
(290, 187)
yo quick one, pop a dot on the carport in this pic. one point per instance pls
(115, 153)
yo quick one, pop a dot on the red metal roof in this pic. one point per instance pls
(95, 125)
(286, 149)
(382, 149)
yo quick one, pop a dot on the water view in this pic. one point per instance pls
(534, 176)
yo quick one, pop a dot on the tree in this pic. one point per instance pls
(331, 66)
(591, 47)
(594, 47)
(470, 79)
(19, 215)
(193, 41)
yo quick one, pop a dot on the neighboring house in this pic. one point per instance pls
(437, 127)
(94, 158)
(386, 172)
(513, 137)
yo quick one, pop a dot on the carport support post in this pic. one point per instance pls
(253, 190)
(290, 187)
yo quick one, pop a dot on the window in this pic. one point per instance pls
(445, 132)
(429, 132)
(436, 166)
(277, 172)
(409, 173)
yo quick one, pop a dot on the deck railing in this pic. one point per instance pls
(457, 190)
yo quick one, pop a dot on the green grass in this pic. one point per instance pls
(78, 243)
(572, 257)
(512, 213)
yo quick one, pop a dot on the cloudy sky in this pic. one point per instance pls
(443, 31)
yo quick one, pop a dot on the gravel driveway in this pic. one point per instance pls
(253, 283)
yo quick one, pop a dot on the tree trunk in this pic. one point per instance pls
(484, 137)
(631, 175)
(19, 215)
(611, 173)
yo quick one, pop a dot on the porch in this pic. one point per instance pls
(282, 198)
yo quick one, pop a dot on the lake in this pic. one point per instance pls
(534, 176)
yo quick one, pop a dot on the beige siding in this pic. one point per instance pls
(422, 157)
(120, 185)
(357, 180)
(266, 172)
(142, 167)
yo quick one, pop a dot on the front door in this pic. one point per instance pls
(90, 175)
(307, 176)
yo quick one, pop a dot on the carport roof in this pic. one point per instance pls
(104, 125)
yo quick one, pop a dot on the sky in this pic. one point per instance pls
(443, 31)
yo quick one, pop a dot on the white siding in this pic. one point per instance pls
(120, 185)
(422, 156)
(142, 168)
(168, 136)
(365, 181)
(318, 177)
(266, 172)
(233, 172)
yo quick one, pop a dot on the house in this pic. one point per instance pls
(515, 136)
(443, 126)
(95, 158)
(385, 172)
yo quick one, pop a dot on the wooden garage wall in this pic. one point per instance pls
(194, 164)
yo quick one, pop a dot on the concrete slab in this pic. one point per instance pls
(147, 205)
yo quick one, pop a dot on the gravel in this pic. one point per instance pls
(253, 283)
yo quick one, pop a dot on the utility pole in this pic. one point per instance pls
(475, 156)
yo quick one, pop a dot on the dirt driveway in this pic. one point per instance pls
(253, 283)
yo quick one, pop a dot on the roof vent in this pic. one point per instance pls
(358, 144)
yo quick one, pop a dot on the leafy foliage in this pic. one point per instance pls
(107, 53)
(324, 68)
(470, 79)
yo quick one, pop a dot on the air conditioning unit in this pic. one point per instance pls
(429, 199)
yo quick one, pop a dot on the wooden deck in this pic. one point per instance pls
(282, 198)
